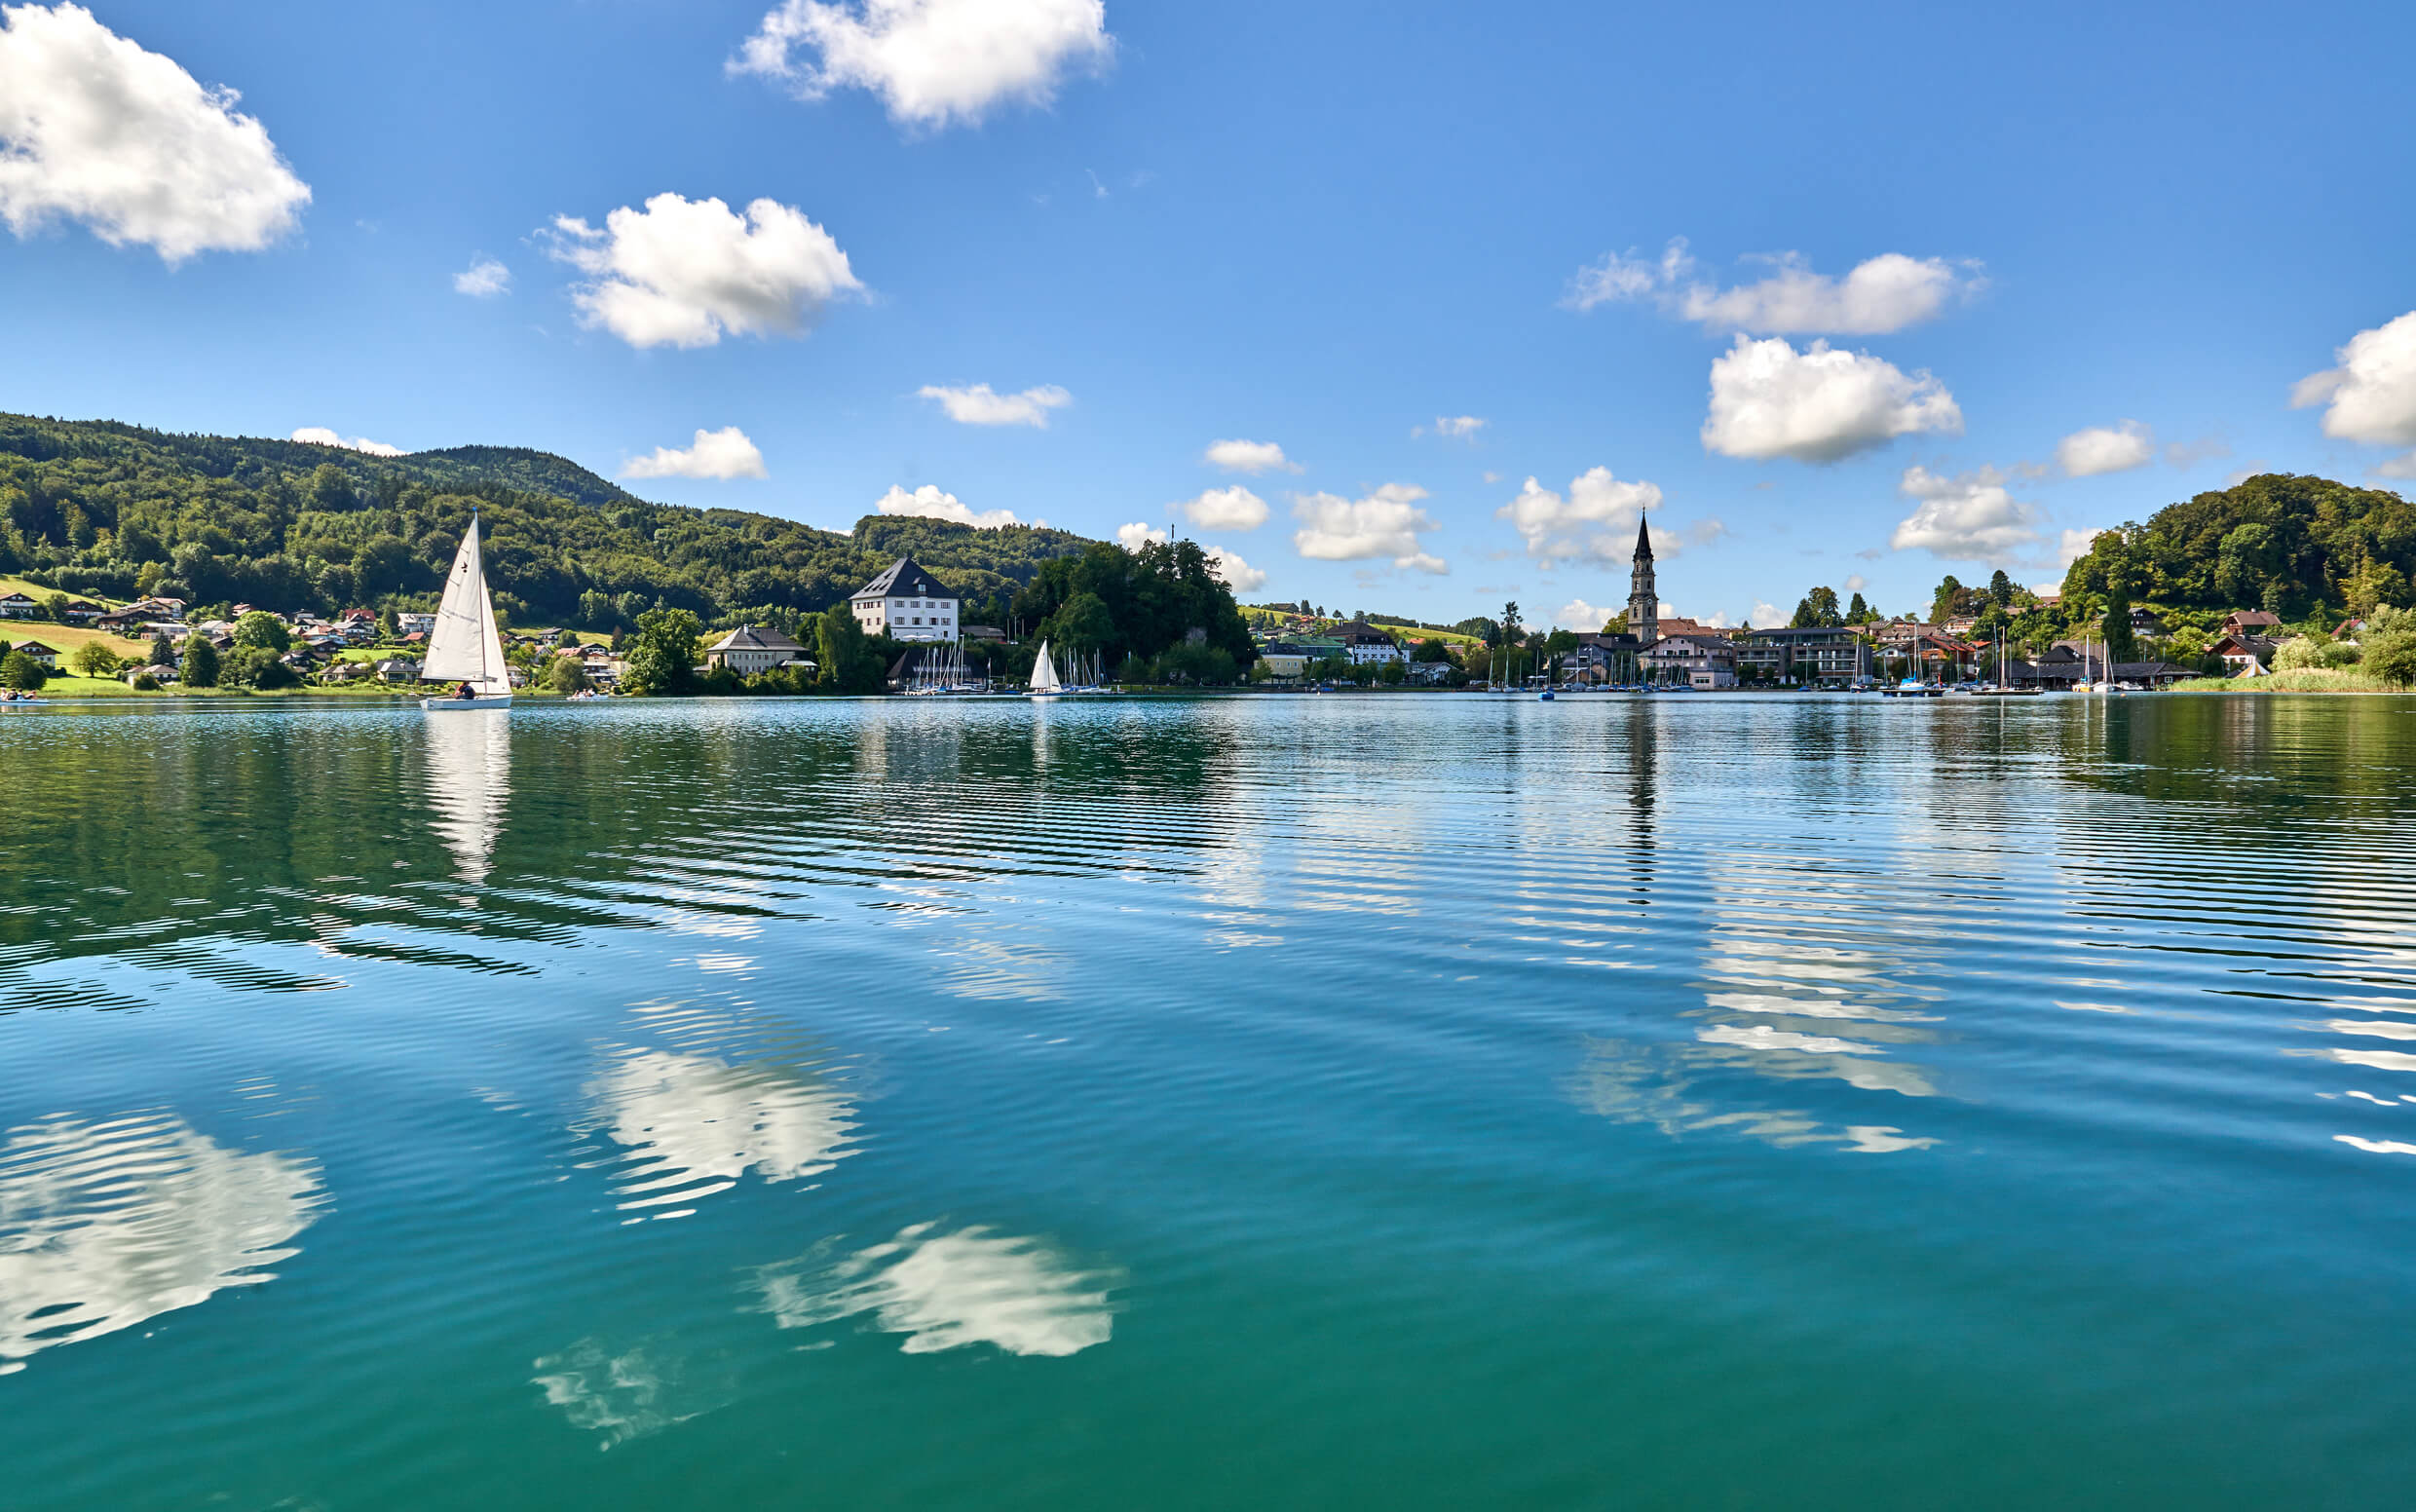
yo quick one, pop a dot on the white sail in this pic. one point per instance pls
(463, 647)
(1044, 673)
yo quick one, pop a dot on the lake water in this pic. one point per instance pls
(1346, 1102)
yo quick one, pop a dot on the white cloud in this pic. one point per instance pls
(929, 503)
(94, 129)
(1238, 575)
(978, 405)
(1855, 583)
(320, 436)
(2398, 466)
(1384, 525)
(1595, 523)
(725, 453)
(1616, 277)
(1226, 508)
(2188, 454)
(484, 278)
(1719, 622)
(1248, 457)
(1451, 428)
(1968, 518)
(933, 62)
(2074, 546)
(1820, 404)
(944, 1291)
(1765, 615)
(1584, 618)
(2372, 397)
(2106, 449)
(684, 273)
(1139, 533)
(1885, 293)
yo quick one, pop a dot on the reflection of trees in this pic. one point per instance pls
(945, 1291)
(331, 827)
(103, 1225)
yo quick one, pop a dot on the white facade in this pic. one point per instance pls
(907, 604)
(748, 650)
(922, 618)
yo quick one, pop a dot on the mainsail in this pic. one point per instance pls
(1044, 673)
(465, 647)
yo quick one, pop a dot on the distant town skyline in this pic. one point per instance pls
(1415, 310)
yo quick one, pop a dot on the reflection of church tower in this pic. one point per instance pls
(1643, 600)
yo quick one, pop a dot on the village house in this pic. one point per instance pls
(415, 624)
(1701, 661)
(1363, 643)
(1601, 659)
(906, 603)
(751, 649)
(136, 614)
(1284, 659)
(17, 606)
(2247, 655)
(1811, 653)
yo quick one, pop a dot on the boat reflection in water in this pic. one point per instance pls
(468, 784)
(104, 1225)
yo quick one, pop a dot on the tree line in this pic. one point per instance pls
(119, 511)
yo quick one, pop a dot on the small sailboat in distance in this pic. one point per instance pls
(1044, 680)
(464, 649)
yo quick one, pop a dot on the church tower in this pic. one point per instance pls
(1643, 600)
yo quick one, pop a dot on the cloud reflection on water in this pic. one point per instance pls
(104, 1225)
(945, 1291)
(637, 1391)
(693, 1124)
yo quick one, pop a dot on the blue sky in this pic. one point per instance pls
(1148, 228)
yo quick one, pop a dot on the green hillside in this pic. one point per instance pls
(111, 510)
(2292, 543)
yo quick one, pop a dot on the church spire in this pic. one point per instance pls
(1643, 597)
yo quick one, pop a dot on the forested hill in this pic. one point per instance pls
(100, 507)
(2292, 543)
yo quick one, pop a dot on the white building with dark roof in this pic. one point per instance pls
(906, 603)
(754, 648)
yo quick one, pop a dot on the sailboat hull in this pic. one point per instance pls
(433, 704)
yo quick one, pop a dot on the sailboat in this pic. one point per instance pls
(1044, 681)
(464, 648)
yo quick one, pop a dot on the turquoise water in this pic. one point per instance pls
(1408, 1102)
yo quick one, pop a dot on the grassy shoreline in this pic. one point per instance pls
(2301, 680)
